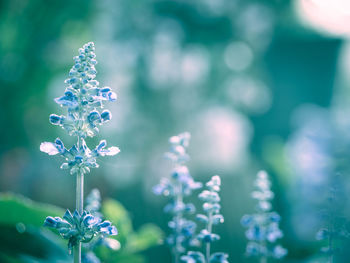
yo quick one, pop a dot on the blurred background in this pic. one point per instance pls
(259, 85)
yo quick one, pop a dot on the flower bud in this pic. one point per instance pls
(94, 116)
(55, 119)
(106, 115)
(101, 145)
(50, 222)
(105, 224)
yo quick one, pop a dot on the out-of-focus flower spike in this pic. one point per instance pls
(263, 226)
(179, 185)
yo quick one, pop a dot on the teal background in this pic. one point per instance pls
(168, 62)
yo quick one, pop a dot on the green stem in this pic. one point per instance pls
(263, 259)
(80, 193)
(179, 199)
(209, 228)
(77, 253)
(79, 206)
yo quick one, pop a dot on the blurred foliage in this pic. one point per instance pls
(25, 240)
(21, 209)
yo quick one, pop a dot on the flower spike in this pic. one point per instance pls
(179, 185)
(83, 99)
(263, 226)
(212, 216)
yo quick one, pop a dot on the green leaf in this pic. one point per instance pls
(21, 210)
(117, 214)
(149, 235)
(39, 243)
(8, 259)
(125, 258)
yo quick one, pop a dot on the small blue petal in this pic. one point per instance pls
(106, 115)
(112, 96)
(50, 222)
(55, 119)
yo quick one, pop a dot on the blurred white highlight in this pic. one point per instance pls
(327, 16)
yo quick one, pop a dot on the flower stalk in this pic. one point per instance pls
(263, 226)
(212, 216)
(179, 186)
(79, 208)
(84, 101)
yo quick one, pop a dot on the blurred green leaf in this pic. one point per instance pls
(8, 258)
(117, 214)
(23, 233)
(125, 258)
(274, 154)
(38, 243)
(20, 209)
(131, 242)
(149, 235)
(23, 225)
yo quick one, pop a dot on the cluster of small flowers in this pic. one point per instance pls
(82, 98)
(79, 160)
(93, 205)
(80, 228)
(211, 207)
(263, 227)
(180, 185)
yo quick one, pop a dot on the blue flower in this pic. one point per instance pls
(256, 249)
(83, 99)
(101, 150)
(80, 228)
(179, 185)
(179, 144)
(219, 258)
(193, 257)
(106, 115)
(279, 252)
(93, 205)
(207, 237)
(55, 119)
(69, 99)
(54, 148)
(212, 217)
(78, 160)
(163, 188)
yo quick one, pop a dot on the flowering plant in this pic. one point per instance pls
(212, 216)
(263, 226)
(83, 99)
(178, 186)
